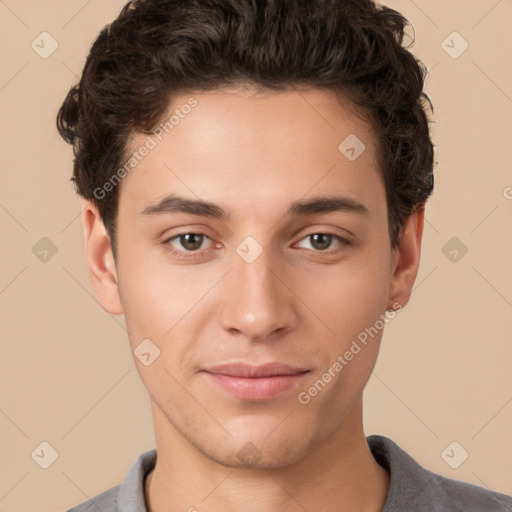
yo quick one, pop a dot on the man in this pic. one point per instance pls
(254, 176)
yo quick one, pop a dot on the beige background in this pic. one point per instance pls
(67, 375)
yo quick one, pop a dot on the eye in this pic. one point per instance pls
(185, 243)
(323, 241)
(192, 245)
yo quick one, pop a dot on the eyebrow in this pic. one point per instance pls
(320, 204)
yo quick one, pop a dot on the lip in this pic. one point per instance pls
(241, 369)
(261, 382)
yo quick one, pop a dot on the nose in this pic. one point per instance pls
(257, 302)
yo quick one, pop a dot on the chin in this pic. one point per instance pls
(263, 444)
(249, 455)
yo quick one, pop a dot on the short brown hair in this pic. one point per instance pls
(156, 49)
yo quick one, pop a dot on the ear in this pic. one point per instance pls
(100, 260)
(406, 259)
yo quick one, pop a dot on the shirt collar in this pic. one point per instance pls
(130, 497)
(407, 478)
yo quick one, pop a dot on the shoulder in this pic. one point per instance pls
(456, 496)
(129, 495)
(412, 487)
(106, 502)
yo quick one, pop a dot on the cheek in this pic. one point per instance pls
(166, 305)
(351, 306)
(156, 294)
(349, 296)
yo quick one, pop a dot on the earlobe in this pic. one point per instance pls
(100, 260)
(406, 259)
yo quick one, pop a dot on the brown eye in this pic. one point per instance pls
(320, 241)
(187, 245)
(190, 246)
(191, 241)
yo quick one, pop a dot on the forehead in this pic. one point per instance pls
(275, 120)
(265, 146)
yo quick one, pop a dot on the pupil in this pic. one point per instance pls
(321, 241)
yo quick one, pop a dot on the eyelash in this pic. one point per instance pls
(193, 254)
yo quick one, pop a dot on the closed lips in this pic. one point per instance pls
(244, 370)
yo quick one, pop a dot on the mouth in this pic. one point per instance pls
(261, 382)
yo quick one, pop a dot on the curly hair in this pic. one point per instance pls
(156, 49)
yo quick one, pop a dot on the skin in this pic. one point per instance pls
(254, 154)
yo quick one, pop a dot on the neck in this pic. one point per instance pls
(339, 474)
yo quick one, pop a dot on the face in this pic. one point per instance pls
(288, 263)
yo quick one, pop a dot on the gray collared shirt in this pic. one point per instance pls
(412, 487)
